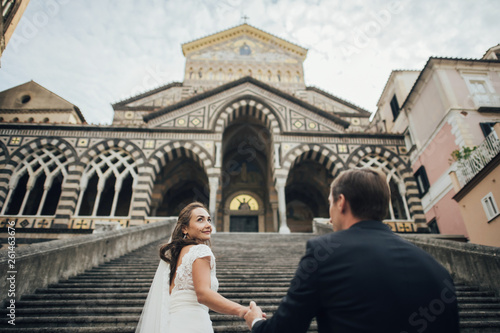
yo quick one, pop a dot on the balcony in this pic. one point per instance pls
(469, 167)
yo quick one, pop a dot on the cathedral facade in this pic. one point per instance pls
(242, 133)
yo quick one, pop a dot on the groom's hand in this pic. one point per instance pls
(255, 312)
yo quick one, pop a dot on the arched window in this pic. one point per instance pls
(259, 75)
(107, 184)
(35, 185)
(221, 74)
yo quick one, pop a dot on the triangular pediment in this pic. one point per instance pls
(244, 42)
(245, 48)
(204, 111)
(32, 96)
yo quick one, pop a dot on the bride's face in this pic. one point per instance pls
(200, 225)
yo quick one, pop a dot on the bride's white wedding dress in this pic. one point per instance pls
(180, 311)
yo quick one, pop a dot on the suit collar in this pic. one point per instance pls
(370, 224)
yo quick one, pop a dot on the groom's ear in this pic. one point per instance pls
(342, 204)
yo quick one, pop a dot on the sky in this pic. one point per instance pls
(94, 53)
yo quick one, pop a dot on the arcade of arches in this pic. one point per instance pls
(246, 194)
(259, 150)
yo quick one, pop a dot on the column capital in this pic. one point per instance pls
(279, 182)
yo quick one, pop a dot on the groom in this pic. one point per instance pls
(363, 277)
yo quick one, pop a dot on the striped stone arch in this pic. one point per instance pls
(318, 153)
(159, 160)
(72, 189)
(248, 106)
(24, 152)
(4, 154)
(4, 157)
(176, 149)
(103, 146)
(393, 166)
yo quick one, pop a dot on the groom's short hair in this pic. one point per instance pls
(366, 190)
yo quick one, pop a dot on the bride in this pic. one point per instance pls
(185, 286)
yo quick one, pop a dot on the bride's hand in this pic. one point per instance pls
(243, 311)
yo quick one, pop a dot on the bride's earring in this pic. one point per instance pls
(185, 235)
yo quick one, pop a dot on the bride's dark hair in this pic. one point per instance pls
(170, 252)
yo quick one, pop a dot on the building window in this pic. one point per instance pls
(490, 206)
(107, 185)
(433, 227)
(395, 107)
(487, 128)
(480, 88)
(36, 184)
(25, 99)
(408, 140)
(422, 181)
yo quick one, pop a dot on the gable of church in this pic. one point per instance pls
(248, 95)
(245, 48)
(32, 96)
(244, 40)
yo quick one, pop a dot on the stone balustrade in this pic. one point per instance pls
(39, 265)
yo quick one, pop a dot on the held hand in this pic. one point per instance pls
(243, 311)
(254, 313)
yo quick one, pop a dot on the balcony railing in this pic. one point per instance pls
(477, 160)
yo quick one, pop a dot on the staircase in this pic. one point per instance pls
(257, 267)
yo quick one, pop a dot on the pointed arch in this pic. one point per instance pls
(166, 154)
(103, 146)
(310, 169)
(318, 153)
(189, 149)
(50, 150)
(397, 171)
(113, 166)
(247, 106)
(107, 178)
(4, 153)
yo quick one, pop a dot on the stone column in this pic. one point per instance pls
(277, 156)
(218, 154)
(280, 187)
(214, 186)
(274, 207)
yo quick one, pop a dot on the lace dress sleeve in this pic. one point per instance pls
(201, 251)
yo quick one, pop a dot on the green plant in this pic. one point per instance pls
(462, 154)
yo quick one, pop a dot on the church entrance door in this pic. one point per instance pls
(244, 223)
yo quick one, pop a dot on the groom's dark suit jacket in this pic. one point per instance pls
(366, 279)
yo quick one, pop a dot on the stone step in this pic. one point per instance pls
(109, 298)
(145, 289)
(112, 329)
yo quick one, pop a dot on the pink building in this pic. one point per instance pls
(450, 104)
